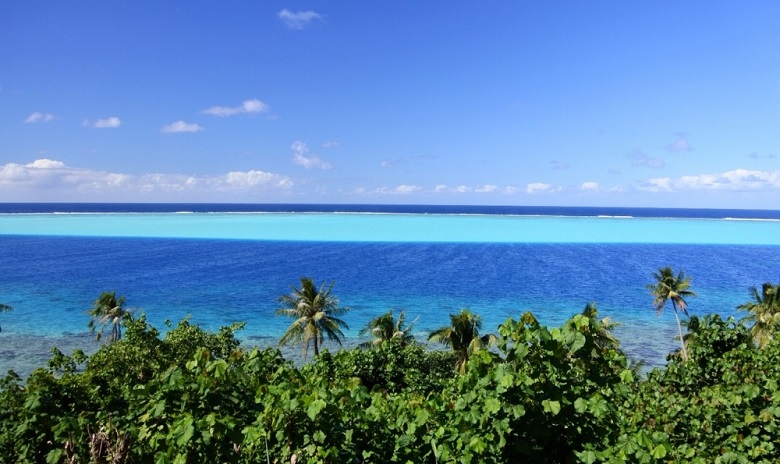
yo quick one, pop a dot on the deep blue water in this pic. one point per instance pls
(50, 281)
(410, 209)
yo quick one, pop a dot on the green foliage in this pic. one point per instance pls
(394, 367)
(315, 313)
(763, 313)
(107, 311)
(721, 406)
(668, 287)
(547, 395)
(462, 336)
(385, 328)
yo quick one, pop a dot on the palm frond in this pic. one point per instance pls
(314, 310)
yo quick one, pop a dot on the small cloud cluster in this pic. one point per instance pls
(735, 180)
(301, 157)
(247, 107)
(541, 187)
(39, 117)
(181, 126)
(252, 106)
(487, 188)
(298, 20)
(533, 188)
(106, 123)
(54, 180)
(404, 189)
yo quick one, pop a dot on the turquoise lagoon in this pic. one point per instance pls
(225, 267)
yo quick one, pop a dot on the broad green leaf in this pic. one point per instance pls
(550, 406)
(492, 405)
(659, 451)
(315, 407)
(588, 457)
(159, 409)
(581, 405)
(186, 433)
(598, 406)
(54, 456)
(579, 342)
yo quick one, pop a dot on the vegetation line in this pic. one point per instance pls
(549, 395)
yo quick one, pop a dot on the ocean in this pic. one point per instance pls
(228, 263)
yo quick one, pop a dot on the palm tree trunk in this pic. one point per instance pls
(679, 328)
(316, 347)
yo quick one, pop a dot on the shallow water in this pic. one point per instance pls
(170, 265)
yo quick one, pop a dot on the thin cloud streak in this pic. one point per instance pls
(736, 180)
(107, 123)
(53, 180)
(181, 126)
(246, 107)
(39, 117)
(298, 20)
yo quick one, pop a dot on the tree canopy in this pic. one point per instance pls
(668, 287)
(315, 312)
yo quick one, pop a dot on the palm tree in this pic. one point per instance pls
(3, 309)
(603, 338)
(315, 312)
(764, 312)
(108, 310)
(385, 328)
(670, 288)
(462, 335)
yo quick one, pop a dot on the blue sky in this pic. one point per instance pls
(614, 103)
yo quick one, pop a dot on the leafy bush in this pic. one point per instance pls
(543, 395)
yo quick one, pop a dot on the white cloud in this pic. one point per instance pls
(641, 159)
(254, 178)
(53, 180)
(741, 180)
(300, 157)
(328, 144)
(486, 188)
(404, 189)
(538, 187)
(46, 164)
(247, 107)
(442, 188)
(181, 126)
(385, 164)
(589, 186)
(299, 19)
(657, 184)
(39, 117)
(407, 189)
(738, 179)
(107, 123)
